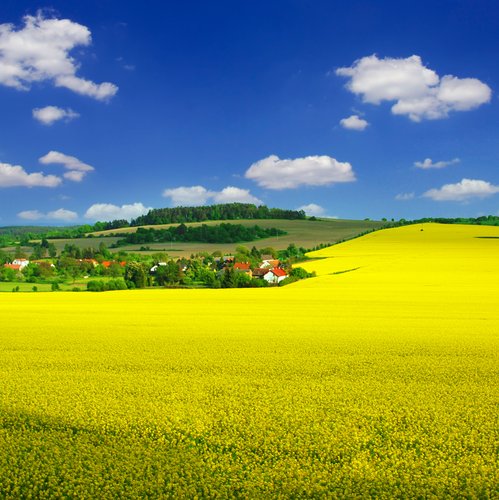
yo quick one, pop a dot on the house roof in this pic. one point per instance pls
(109, 263)
(279, 272)
(260, 271)
(16, 267)
(243, 266)
(270, 263)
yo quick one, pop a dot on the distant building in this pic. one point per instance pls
(109, 263)
(275, 275)
(269, 263)
(243, 267)
(259, 272)
(16, 267)
(156, 266)
(22, 263)
(90, 261)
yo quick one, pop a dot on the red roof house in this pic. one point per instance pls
(275, 275)
(243, 267)
(16, 267)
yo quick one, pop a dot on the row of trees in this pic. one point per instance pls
(228, 211)
(220, 233)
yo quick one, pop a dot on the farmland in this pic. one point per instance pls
(377, 378)
(304, 233)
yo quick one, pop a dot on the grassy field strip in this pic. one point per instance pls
(304, 233)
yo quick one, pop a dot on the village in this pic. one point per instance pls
(98, 269)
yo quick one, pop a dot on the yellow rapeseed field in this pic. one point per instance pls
(377, 378)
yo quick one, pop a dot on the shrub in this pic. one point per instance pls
(104, 286)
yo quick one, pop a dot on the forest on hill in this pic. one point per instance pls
(228, 211)
(220, 233)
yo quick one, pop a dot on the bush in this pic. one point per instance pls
(104, 286)
(35, 289)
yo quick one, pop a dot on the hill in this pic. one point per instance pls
(303, 233)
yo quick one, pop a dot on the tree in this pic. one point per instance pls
(228, 278)
(4, 257)
(37, 252)
(115, 270)
(168, 274)
(242, 280)
(7, 274)
(52, 251)
(19, 253)
(135, 275)
(269, 251)
(104, 251)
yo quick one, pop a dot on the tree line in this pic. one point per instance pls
(219, 233)
(227, 211)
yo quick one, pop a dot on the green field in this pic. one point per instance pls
(303, 233)
(80, 283)
(8, 286)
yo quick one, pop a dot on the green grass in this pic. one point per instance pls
(303, 233)
(7, 286)
(69, 285)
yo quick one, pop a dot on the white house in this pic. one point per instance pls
(269, 263)
(22, 263)
(155, 267)
(275, 275)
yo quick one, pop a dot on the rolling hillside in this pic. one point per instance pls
(304, 233)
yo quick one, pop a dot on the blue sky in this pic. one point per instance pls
(349, 109)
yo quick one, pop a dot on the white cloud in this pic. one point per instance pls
(462, 191)
(198, 195)
(232, 194)
(59, 214)
(188, 196)
(70, 162)
(40, 51)
(15, 175)
(107, 211)
(62, 214)
(50, 114)
(74, 175)
(417, 90)
(77, 169)
(405, 196)
(313, 209)
(274, 173)
(354, 123)
(30, 215)
(429, 163)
